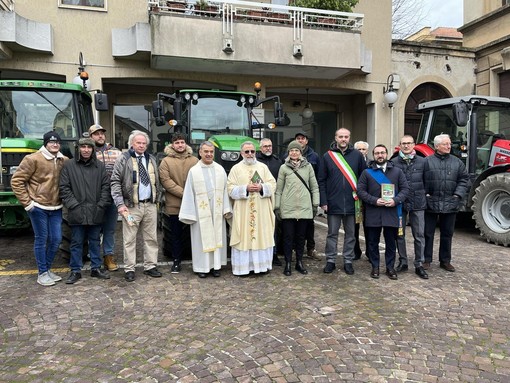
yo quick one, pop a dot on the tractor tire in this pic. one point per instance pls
(491, 208)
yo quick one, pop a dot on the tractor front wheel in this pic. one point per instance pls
(491, 208)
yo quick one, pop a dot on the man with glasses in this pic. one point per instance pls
(446, 184)
(35, 184)
(251, 185)
(266, 156)
(414, 206)
(382, 187)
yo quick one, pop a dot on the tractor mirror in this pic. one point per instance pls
(101, 102)
(157, 112)
(460, 113)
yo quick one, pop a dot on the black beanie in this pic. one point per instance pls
(50, 136)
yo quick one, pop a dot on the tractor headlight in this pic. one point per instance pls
(12, 170)
(229, 156)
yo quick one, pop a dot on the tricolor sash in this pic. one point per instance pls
(349, 175)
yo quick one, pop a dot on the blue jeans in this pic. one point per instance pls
(79, 233)
(334, 222)
(47, 226)
(417, 220)
(108, 229)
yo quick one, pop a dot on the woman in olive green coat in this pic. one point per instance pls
(297, 198)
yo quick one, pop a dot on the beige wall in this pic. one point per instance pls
(358, 98)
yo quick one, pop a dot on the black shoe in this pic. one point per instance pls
(73, 278)
(130, 276)
(349, 270)
(98, 273)
(392, 274)
(153, 272)
(216, 273)
(287, 271)
(276, 260)
(176, 267)
(421, 273)
(300, 268)
(202, 275)
(374, 273)
(402, 267)
(328, 269)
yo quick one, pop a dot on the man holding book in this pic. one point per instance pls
(251, 185)
(382, 188)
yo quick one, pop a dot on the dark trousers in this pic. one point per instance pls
(373, 235)
(294, 234)
(310, 235)
(176, 235)
(446, 229)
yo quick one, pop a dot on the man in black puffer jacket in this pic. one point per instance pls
(446, 184)
(85, 191)
(412, 165)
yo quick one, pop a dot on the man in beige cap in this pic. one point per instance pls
(107, 154)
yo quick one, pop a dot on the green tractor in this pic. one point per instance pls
(28, 109)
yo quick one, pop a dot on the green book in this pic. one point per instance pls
(256, 178)
(387, 191)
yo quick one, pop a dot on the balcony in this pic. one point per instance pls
(243, 37)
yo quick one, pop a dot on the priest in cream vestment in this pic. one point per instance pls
(205, 206)
(251, 185)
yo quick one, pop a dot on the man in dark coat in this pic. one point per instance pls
(266, 156)
(382, 187)
(338, 174)
(446, 184)
(412, 165)
(85, 191)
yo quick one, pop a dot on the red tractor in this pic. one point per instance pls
(479, 128)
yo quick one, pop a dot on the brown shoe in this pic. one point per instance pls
(426, 265)
(312, 254)
(447, 266)
(109, 263)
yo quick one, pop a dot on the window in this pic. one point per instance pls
(94, 5)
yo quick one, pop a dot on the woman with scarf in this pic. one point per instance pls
(297, 199)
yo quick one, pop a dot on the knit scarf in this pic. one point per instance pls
(407, 157)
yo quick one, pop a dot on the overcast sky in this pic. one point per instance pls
(443, 13)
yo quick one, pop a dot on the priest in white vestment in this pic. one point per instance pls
(205, 207)
(251, 185)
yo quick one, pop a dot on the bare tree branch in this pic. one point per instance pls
(407, 15)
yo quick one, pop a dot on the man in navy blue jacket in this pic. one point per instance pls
(382, 211)
(338, 174)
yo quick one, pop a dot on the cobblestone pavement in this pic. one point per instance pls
(266, 328)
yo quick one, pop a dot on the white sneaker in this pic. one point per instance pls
(44, 279)
(55, 277)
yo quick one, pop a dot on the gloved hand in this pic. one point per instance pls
(277, 214)
(314, 210)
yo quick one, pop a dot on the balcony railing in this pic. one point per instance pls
(232, 11)
(7, 5)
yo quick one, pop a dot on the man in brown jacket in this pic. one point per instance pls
(173, 172)
(35, 184)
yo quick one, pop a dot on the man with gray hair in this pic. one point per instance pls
(362, 147)
(446, 184)
(134, 185)
(251, 185)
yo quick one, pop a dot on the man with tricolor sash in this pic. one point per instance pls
(338, 175)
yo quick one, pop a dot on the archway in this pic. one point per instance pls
(424, 92)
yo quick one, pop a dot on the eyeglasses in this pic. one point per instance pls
(379, 153)
(406, 143)
(267, 146)
(53, 142)
(249, 152)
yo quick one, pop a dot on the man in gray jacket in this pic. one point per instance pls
(85, 191)
(135, 192)
(446, 184)
(414, 206)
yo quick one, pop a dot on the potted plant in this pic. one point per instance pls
(330, 5)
